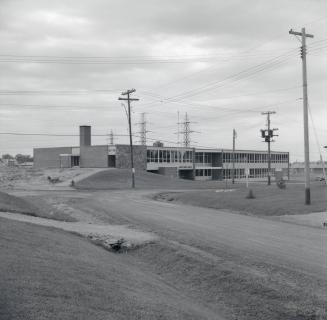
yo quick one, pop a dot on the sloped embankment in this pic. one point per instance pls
(13, 204)
(121, 179)
(9, 203)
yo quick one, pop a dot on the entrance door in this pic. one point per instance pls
(75, 161)
(112, 161)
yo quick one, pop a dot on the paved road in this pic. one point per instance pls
(298, 247)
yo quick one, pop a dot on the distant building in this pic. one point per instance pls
(315, 167)
(10, 162)
(187, 163)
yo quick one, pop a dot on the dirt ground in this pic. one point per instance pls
(30, 178)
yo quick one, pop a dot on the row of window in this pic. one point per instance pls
(203, 157)
(203, 172)
(254, 173)
(255, 157)
(168, 156)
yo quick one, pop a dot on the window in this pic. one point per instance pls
(187, 157)
(199, 157)
(152, 155)
(207, 172)
(207, 158)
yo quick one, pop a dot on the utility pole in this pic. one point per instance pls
(268, 135)
(129, 99)
(233, 156)
(303, 36)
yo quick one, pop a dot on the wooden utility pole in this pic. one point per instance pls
(268, 135)
(233, 157)
(129, 99)
(303, 36)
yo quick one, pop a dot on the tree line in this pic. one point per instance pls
(20, 158)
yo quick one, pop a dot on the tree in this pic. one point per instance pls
(7, 156)
(21, 158)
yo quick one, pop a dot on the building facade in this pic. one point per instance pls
(186, 163)
(215, 164)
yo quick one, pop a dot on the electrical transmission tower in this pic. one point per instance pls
(143, 130)
(186, 131)
(268, 135)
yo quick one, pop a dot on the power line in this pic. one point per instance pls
(55, 106)
(317, 141)
(55, 92)
(56, 134)
(234, 78)
(237, 76)
(12, 58)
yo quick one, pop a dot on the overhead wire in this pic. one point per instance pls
(57, 92)
(235, 77)
(317, 141)
(276, 61)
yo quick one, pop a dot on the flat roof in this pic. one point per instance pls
(213, 150)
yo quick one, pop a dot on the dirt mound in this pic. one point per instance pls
(9, 203)
(121, 179)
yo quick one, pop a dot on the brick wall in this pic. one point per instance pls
(94, 156)
(123, 157)
(49, 157)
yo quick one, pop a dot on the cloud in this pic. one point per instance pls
(214, 41)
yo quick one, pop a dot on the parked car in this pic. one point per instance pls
(320, 178)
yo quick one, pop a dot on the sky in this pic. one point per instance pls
(65, 63)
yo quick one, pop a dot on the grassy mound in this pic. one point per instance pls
(121, 179)
(266, 201)
(13, 204)
(51, 274)
(9, 203)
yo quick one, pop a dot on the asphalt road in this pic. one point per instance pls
(298, 247)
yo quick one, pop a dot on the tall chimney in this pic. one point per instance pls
(84, 136)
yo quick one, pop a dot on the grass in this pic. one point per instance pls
(121, 179)
(268, 201)
(238, 287)
(10, 203)
(49, 274)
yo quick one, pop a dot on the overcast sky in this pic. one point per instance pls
(65, 63)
